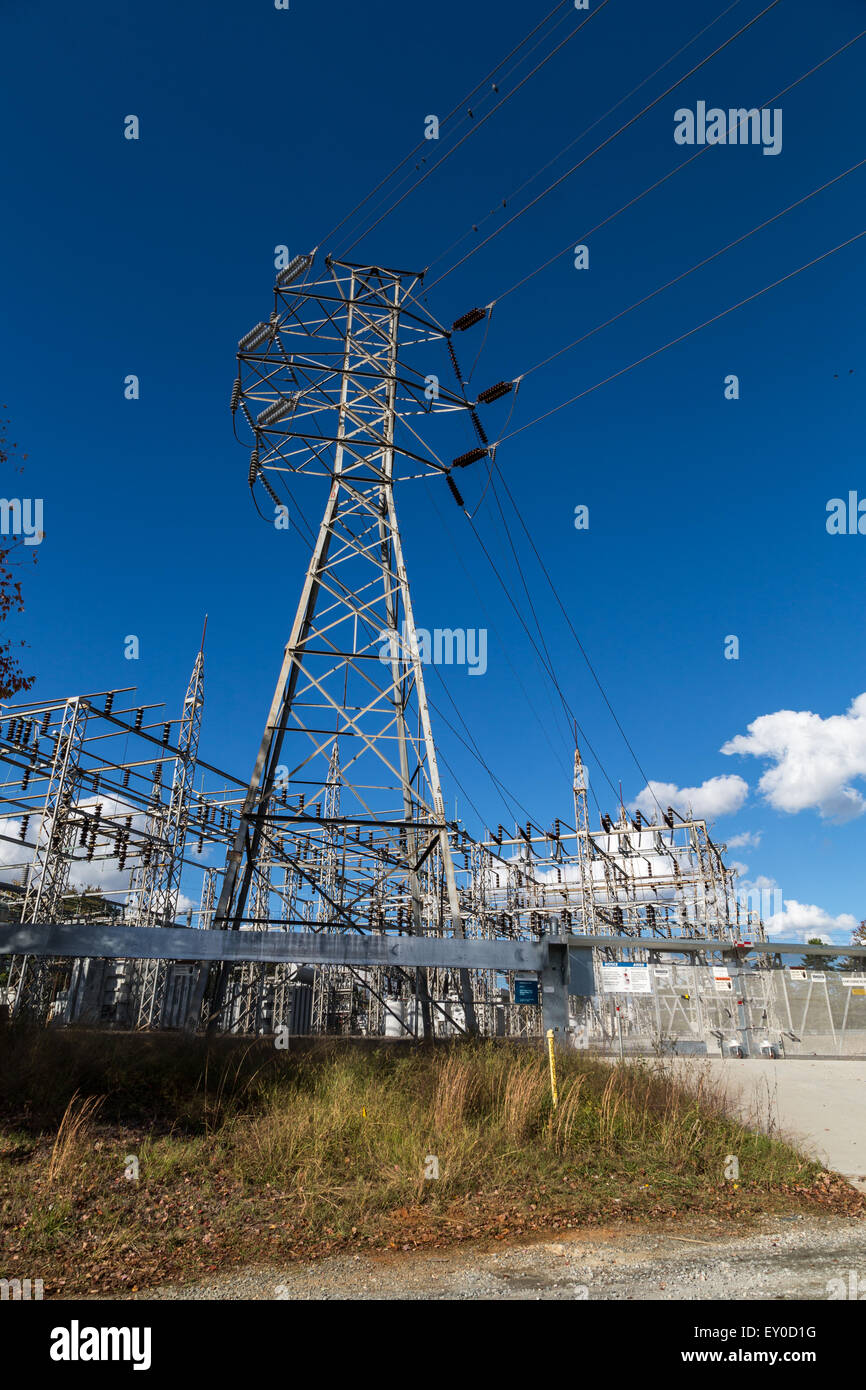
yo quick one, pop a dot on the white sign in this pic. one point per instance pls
(818, 977)
(724, 983)
(797, 973)
(854, 979)
(626, 978)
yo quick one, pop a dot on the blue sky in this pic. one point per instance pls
(261, 127)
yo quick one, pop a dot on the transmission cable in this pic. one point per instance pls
(682, 336)
(420, 146)
(518, 284)
(534, 644)
(576, 141)
(500, 787)
(580, 645)
(479, 124)
(690, 271)
(607, 141)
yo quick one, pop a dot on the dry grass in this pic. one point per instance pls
(249, 1153)
(73, 1133)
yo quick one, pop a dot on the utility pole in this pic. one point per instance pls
(322, 386)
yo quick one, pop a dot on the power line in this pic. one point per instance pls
(421, 144)
(503, 646)
(682, 336)
(501, 788)
(479, 124)
(580, 645)
(576, 141)
(685, 273)
(549, 669)
(518, 284)
(607, 141)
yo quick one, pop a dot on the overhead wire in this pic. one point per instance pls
(582, 136)
(518, 284)
(460, 105)
(738, 241)
(478, 124)
(500, 787)
(607, 141)
(574, 634)
(683, 336)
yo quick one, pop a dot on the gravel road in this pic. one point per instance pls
(782, 1259)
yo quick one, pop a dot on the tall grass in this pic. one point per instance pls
(333, 1117)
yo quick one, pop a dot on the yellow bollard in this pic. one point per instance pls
(552, 1056)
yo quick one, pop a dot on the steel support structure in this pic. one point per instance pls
(350, 692)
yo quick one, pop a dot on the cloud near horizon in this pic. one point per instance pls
(718, 796)
(816, 760)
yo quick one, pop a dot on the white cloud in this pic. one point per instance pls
(816, 760)
(718, 796)
(750, 839)
(799, 921)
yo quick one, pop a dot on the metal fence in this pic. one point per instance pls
(704, 1009)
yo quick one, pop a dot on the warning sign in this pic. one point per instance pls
(625, 977)
(723, 982)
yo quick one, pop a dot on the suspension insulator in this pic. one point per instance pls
(46, 719)
(254, 466)
(254, 338)
(125, 782)
(166, 730)
(468, 320)
(472, 456)
(479, 428)
(454, 363)
(25, 778)
(493, 393)
(295, 268)
(455, 493)
(236, 394)
(139, 719)
(22, 829)
(269, 490)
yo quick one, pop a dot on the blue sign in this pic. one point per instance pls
(526, 991)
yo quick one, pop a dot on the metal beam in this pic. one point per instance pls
(695, 945)
(314, 948)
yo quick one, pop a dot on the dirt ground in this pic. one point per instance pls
(783, 1259)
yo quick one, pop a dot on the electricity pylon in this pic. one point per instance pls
(322, 386)
(156, 884)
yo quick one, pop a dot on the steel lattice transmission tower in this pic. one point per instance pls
(323, 387)
(156, 883)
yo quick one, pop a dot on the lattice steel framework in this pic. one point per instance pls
(326, 380)
(156, 881)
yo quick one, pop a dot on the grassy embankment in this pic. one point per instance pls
(251, 1155)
